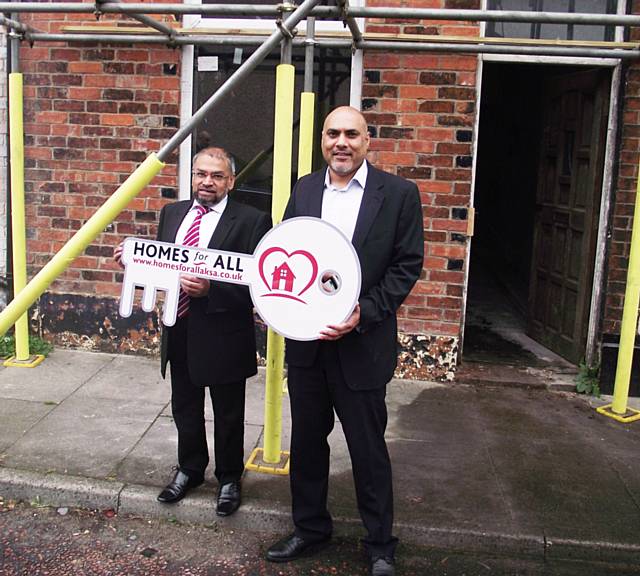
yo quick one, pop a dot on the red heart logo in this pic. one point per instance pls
(307, 255)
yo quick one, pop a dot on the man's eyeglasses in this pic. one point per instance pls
(217, 177)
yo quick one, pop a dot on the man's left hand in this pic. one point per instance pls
(195, 287)
(337, 331)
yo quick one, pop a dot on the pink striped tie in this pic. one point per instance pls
(191, 239)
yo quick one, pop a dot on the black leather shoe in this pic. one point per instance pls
(228, 499)
(177, 489)
(382, 566)
(292, 547)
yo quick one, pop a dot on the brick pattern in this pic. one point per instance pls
(420, 108)
(624, 198)
(93, 113)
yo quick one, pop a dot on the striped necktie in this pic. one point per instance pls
(191, 239)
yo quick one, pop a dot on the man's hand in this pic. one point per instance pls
(194, 287)
(117, 254)
(337, 331)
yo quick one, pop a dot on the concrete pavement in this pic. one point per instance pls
(510, 470)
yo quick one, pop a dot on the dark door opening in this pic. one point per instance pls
(538, 180)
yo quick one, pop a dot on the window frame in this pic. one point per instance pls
(188, 73)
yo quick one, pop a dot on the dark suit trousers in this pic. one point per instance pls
(187, 405)
(314, 393)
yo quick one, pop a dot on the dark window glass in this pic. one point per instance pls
(243, 121)
(552, 31)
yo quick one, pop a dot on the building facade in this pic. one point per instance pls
(527, 167)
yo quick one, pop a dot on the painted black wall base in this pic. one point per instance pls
(609, 362)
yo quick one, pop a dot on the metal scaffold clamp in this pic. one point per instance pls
(97, 12)
(286, 31)
(287, 7)
(283, 8)
(343, 5)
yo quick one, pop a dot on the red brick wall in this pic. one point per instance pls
(624, 196)
(421, 107)
(92, 114)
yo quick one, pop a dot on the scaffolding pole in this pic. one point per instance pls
(504, 49)
(13, 24)
(328, 12)
(178, 40)
(134, 184)
(147, 21)
(240, 74)
(373, 45)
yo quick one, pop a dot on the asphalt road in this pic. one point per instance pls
(36, 540)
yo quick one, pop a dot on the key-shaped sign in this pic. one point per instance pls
(303, 275)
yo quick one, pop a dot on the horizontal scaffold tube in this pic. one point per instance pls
(182, 40)
(470, 47)
(502, 49)
(329, 12)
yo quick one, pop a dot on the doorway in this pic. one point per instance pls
(537, 197)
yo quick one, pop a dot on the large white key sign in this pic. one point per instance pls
(303, 275)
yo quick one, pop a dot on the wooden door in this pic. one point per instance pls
(566, 213)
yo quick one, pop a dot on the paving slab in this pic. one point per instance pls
(476, 467)
(83, 436)
(128, 377)
(18, 417)
(152, 459)
(54, 379)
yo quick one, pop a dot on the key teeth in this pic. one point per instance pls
(169, 319)
(125, 310)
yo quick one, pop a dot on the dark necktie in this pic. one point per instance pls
(191, 239)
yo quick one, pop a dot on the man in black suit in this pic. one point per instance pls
(213, 345)
(347, 369)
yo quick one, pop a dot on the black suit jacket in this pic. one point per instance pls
(221, 345)
(389, 240)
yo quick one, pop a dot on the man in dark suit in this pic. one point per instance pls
(347, 369)
(213, 344)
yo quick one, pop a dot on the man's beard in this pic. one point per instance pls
(341, 168)
(206, 202)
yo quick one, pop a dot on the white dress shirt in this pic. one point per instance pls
(208, 223)
(340, 206)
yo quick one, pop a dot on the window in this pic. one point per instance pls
(243, 122)
(539, 30)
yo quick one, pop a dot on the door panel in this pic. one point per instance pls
(566, 213)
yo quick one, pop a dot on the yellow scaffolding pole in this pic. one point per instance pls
(305, 144)
(117, 202)
(618, 409)
(272, 459)
(22, 358)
